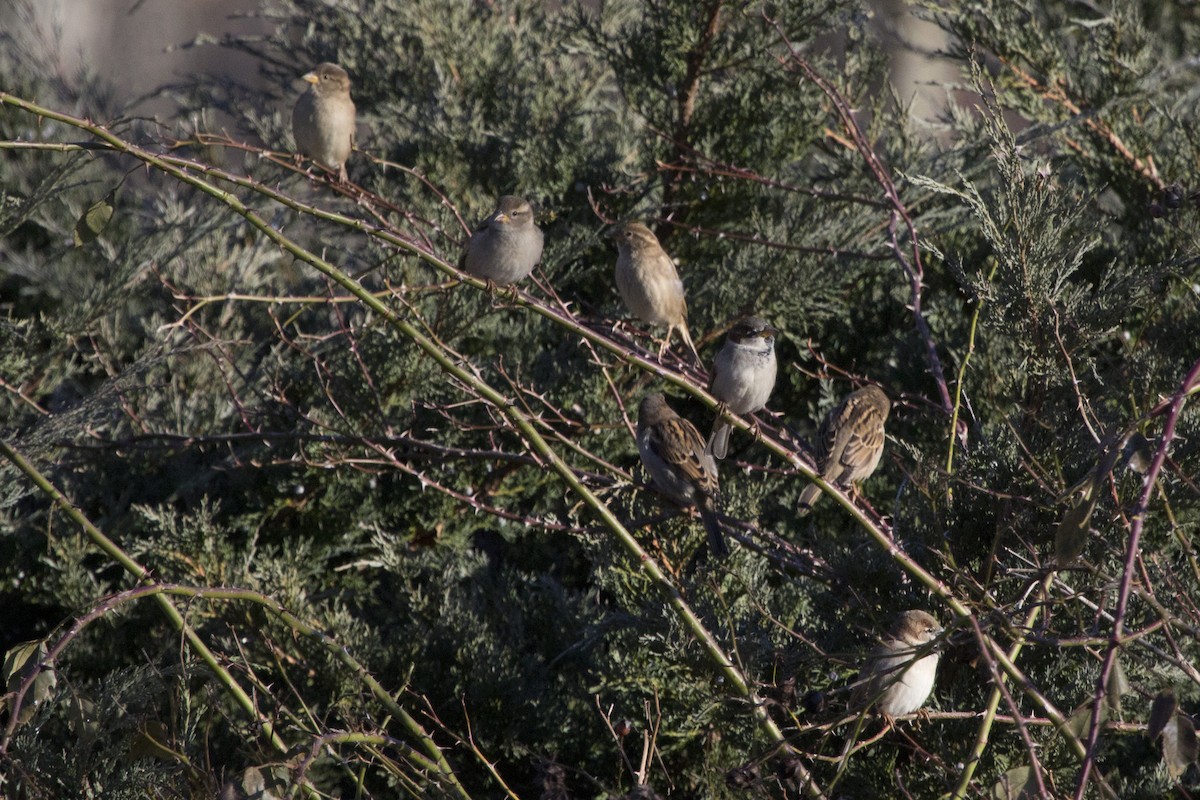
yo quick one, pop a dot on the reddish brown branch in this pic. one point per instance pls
(1056, 94)
(1130, 569)
(909, 262)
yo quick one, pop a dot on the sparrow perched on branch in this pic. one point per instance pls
(649, 284)
(898, 676)
(849, 442)
(323, 118)
(743, 376)
(673, 453)
(507, 245)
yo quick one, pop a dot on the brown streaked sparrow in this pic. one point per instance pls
(649, 283)
(743, 376)
(673, 453)
(898, 676)
(850, 442)
(507, 245)
(323, 118)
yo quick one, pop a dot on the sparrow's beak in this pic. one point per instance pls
(939, 639)
(502, 218)
(311, 78)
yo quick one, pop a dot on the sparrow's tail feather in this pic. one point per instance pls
(712, 526)
(687, 338)
(718, 443)
(807, 498)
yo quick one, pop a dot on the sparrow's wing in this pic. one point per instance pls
(483, 226)
(479, 229)
(828, 436)
(677, 442)
(860, 437)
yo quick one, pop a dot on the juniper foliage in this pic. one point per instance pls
(386, 562)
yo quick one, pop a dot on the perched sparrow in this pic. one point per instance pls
(507, 245)
(1138, 453)
(674, 455)
(323, 119)
(897, 679)
(649, 284)
(850, 442)
(743, 376)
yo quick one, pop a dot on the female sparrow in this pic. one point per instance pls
(323, 119)
(850, 441)
(898, 676)
(743, 376)
(507, 245)
(673, 453)
(649, 284)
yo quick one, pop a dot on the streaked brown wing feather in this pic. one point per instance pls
(832, 435)
(865, 437)
(677, 442)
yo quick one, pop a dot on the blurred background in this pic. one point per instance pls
(139, 45)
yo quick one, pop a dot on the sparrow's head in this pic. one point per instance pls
(752, 330)
(634, 236)
(512, 211)
(877, 398)
(916, 628)
(329, 80)
(653, 410)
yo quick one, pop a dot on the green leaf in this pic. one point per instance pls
(1178, 744)
(1016, 784)
(1080, 721)
(19, 663)
(1071, 535)
(150, 742)
(256, 784)
(1118, 684)
(94, 220)
(15, 659)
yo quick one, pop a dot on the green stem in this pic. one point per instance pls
(162, 592)
(109, 547)
(1007, 662)
(962, 371)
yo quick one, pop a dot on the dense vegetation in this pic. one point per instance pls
(334, 522)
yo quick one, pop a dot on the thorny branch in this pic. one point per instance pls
(910, 262)
(1128, 573)
(533, 418)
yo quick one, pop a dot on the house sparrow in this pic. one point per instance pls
(1138, 453)
(898, 676)
(649, 284)
(323, 119)
(850, 442)
(673, 453)
(506, 246)
(743, 376)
